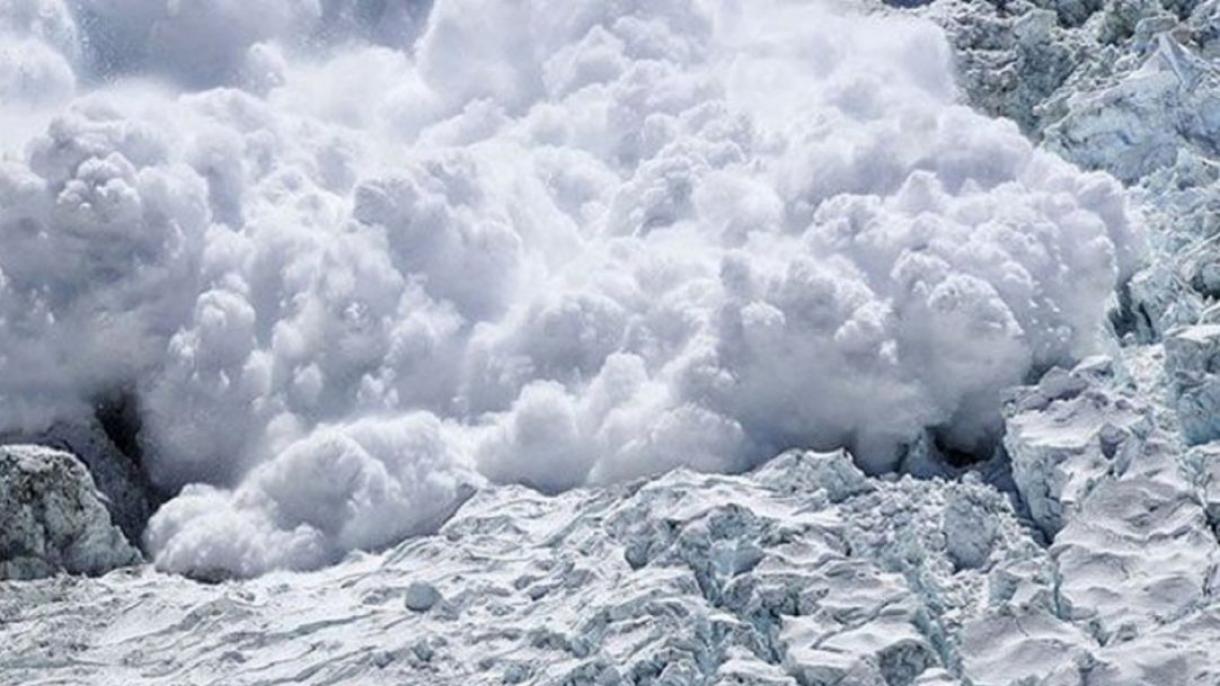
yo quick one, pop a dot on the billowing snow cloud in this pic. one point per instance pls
(353, 262)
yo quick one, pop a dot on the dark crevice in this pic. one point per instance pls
(960, 456)
(118, 471)
(937, 452)
(119, 415)
(1127, 317)
(987, 459)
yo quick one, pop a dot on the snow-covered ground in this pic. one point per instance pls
(453, 342)
(805, 571)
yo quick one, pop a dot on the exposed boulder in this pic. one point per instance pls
(54, 519)
(421, 597)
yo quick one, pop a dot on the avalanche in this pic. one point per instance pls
(346, 274)
(676, 342)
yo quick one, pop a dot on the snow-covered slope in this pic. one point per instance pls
(1131, 88)
(803, 572)
(805, 569)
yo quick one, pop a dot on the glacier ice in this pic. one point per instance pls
(53, 518)
(1127, 87)
(1192, 364)
(687, 578)
(1066, 434)
(128, 496)
(805, 571)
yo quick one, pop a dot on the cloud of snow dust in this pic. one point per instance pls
(355, 257)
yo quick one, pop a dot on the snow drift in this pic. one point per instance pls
(353, 261)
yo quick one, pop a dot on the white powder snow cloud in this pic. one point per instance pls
(351, 272)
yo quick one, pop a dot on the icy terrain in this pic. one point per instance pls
(803, 572)
(454, 342)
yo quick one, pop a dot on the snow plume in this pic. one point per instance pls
(353, 261)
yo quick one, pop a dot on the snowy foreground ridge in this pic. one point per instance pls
(803, 572)
(586, 342)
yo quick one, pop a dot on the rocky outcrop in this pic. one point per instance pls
(53, 518)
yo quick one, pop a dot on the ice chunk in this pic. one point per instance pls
(1192, 360)
(1201, 466)
(970, 529)
(53, 518)
(801, 470)
(421, 596)
(1068, 432)
(125, 490)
